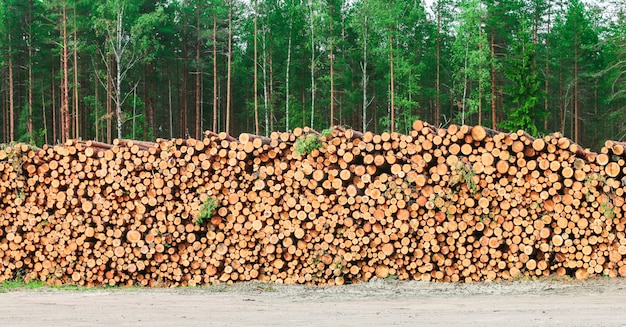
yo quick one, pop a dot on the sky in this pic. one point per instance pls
(608, 6)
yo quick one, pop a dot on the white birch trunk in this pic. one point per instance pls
(311, 23)
(364, 67)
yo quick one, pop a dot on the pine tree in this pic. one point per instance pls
(525, 91)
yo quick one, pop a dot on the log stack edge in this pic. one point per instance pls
(455, 204)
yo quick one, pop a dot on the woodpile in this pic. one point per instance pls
(456, 204)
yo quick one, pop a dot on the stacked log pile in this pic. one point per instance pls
(456, 204)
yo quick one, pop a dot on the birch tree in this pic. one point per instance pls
(128, 40)
(472, 57)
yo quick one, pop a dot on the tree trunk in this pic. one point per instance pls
(198, 122)
(494, 119)
(287, 72)
(312, 28)
(572, 116)
(575, 97)
(184, 110)
(561, 100)
(270, 95)
(480, 82)
(392, 108)
(256, 91)
(147, 122)
(463, 101)
(134, 135)
(302, 90)
(53, 92)
(43, 113)
(214, 71)
(11, 94)
(29, 123)
(150, 113)
(332, 68)
(230, 59)
(342, 94)
(546, 102)
(96, 114)
(480, 102)
(118, 96)
(65, 104)
(169, 87)
(109, 105)
(5, 117)
(75, 86)
(438, 73)
(265, 94)
(118, 73)
(364, 30)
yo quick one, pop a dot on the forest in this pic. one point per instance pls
(83, 69)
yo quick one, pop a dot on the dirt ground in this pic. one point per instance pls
(597, 302)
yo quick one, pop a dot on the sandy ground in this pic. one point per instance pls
(597, 302)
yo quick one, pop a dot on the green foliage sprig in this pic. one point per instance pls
(206, 210)
(466, 175)
(307, 143)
